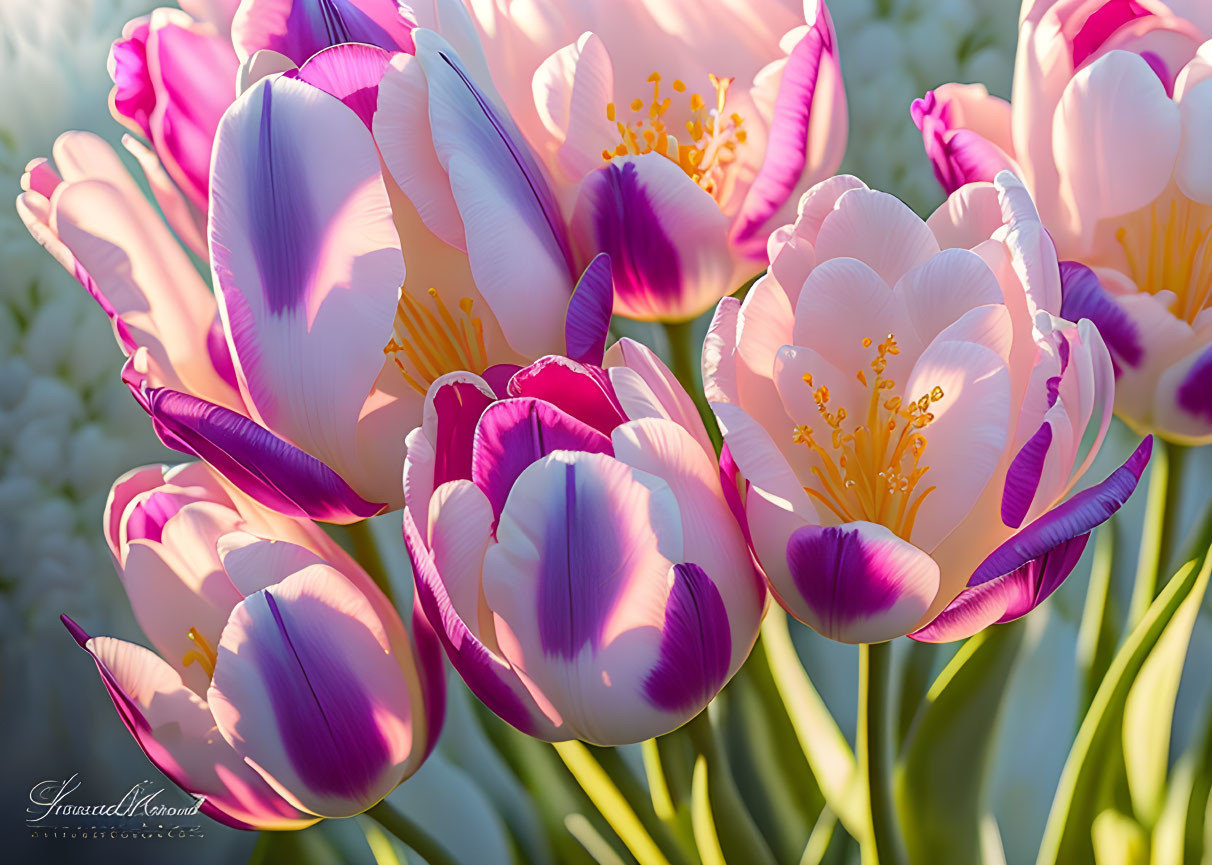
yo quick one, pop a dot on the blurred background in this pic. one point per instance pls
(68, 428)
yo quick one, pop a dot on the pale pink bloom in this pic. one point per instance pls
(910, 413)
(572, 542)
(294, 377)
(679, 133)
(283, 686)
(1111, 112)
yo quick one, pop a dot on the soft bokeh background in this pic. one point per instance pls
(68, 428)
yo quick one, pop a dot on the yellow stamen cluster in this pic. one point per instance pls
(713, 136)
(427, 343)
(1168, 246)
(204, 655)
(870, 470)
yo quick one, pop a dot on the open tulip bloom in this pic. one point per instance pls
(910, 413)
(1108, 127)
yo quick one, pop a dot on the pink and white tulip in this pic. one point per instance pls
(910, 413)
(319, 347)
(572, 542)
(1111, 107)
(284, 686)
(679, 134)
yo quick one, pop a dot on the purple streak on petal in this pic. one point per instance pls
(498, 375)
(1052, 386)
(1077, 516)
(584, 392)
(285, 239)
(626, 227)
(432, 672)
(134, 94)
(271, 470)
(488, 677)
(729, 474)
(587, 322)
(314, 25)
(220, 354)
(838, 576)
(1005, 598)
(1161, 70)
(1022, 478)
(1195, 392)
(1101, 25)
(1062, 349)
(125, 340)
(787, 146)
(523, 158)
(577, 587)
(349, 72)
(1082, 296)
(325, 718)
(959, 156)
(696, 644)
(514, 433)
(146, 519)
(458, 406)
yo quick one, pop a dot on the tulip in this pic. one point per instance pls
(284, 687)
(290, 378)
(909, 458)
(174, 76)
(572, 542)
(678, 134)
(1106, 127)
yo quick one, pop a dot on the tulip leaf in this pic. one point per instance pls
(1083, 790)
(702, 819)
(940, 778)
(1118, 840)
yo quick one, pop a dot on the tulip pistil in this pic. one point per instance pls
(428, 343)
(204, 655)
(870, 470)
(713, 135)
(1168, 246)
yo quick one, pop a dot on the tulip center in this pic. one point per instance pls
(870, 470)
(204, 655)
(711, 135)
(429, 340)
(1169, 248)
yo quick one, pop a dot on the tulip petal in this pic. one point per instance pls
(351, 73)
(587, 323)
(673, 401)
(177, 733)
(307, 262)
(719, 353)
(584, 392)
(1004, 598)
(307, 691)
(301, 28)
(879, 230)
(696, 644)
(666, 237)
(1023, 476)
(1083, 296)
(457, 407)
(1070, 519)
(516, 239)
(515, 433)
(789, 134)
(858, 582)
(266, 467)
(487, 675)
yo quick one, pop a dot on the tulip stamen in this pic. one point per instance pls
(427, 344)
(204, 655)
(714, 135)
(870, 471)
(1168, 247)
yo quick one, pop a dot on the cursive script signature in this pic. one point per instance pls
(50, 798)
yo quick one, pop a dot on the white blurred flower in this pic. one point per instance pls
(894, 51)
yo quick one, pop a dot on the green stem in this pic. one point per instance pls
(1169, 557)
(366, 551)
(403, 827)
(685, 363)
(884, 846)
(739, 837)
(1152, 550)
